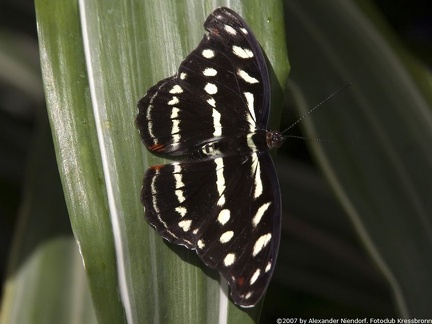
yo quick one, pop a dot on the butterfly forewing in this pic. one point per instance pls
(221, 89)
(223, 198)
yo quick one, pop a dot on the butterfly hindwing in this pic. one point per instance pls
(243, 239)
(177, 198)
(219, 208)
(221, 89)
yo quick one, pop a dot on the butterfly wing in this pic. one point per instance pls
(228, 209)
(220, 90)
(224, 200)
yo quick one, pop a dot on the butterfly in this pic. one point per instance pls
(221, 197)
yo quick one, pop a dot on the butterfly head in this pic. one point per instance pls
(274, 139)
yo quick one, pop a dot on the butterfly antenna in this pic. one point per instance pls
(320, 140)
(311, 110)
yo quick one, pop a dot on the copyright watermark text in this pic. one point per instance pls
(365, 320)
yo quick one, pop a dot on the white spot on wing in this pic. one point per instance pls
(175, 113)
(217, 123)
(250, 141)
(181, 198)
(255, 276)
(211, 102)
(185, 224)
(251, 116)
(201, 244)
(178, 183)
(261, 243)
(245, 76)
(260, 214)
(176, 89)
(175, 120)
(220, 180)
(241, 52)
(230, 30)
(256, 173)
(211, 88)
(208, 53)
(173, 101)
(268, 267)
(181, 210)
(175, 130)
(209, 72)
(226, 237)
(224, 216)
(244, 30)
(183, 76)
(229, 259)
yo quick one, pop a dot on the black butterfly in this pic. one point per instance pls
(223, 198)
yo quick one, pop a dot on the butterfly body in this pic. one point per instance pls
(222, 199)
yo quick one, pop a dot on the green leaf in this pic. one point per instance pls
(98, 58)
(382, 178)
(45, 262)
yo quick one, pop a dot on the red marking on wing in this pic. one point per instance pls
(240, 281)
(157, 148)
(157, 167)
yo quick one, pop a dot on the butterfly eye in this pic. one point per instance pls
(274, 139)
(223, 198)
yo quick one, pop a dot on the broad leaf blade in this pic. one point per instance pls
(44, 261)
(99, 58)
